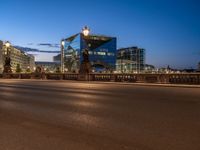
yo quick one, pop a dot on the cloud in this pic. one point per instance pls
(26, 49)
(35, 55)
(49, 45)
(43, 51)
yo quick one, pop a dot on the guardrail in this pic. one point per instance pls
(181, 78)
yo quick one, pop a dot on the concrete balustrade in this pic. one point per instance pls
(183, 78)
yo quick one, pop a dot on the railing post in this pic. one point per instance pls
(61, 76)
(167, 79)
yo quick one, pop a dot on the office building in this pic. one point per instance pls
(130, 60)
(102, 52)
(149, 69)
(57, 58)
(25, 61)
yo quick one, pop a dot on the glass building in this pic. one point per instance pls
(102, 52)
(130, 60)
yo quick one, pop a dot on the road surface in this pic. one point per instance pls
(64, 115)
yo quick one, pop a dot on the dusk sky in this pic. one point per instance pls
(169, 30)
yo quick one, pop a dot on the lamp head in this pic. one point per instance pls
(63, 42)
(86, 31)
(7, 44)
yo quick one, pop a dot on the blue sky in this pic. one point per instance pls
(169, 30)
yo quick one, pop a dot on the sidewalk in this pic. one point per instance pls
(143, 84)
(158, 84)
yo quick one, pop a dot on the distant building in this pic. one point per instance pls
(149, 68)
(188, 70)
(199, 66)
(102, 52)
(130, 60)
(57, 58)
(50, 67)
(31, 62)
(18, 57)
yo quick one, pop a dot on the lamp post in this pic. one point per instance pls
(85, 66)
(7, 65)
(121, 55)
(7, 45)
(62, 55)
(85, 53)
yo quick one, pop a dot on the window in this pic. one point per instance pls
(110, 54)
(101, 53)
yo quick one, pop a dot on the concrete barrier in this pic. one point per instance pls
(181, 78)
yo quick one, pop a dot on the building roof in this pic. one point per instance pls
(131, 47)
(46, 63)
(90, 36)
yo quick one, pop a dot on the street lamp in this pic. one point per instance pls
(63, 43)
(62, 55)
(85, 66)
(86, 31)
(7, 65)
(7, 44)
(121, 55)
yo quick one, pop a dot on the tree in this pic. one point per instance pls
(18, 68)
(28, 70)
(38, 69)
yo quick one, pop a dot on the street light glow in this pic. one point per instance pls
(63, 43)
(86, 31)
(7, 44)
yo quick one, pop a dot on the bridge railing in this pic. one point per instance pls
(184, 79)
(181, 78)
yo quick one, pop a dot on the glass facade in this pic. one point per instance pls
(102, 52)
(130, 60)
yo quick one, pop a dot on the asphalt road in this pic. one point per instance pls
(63, 115)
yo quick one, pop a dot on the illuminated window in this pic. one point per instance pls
(101, 53)
(111, 54)
(90, 52)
